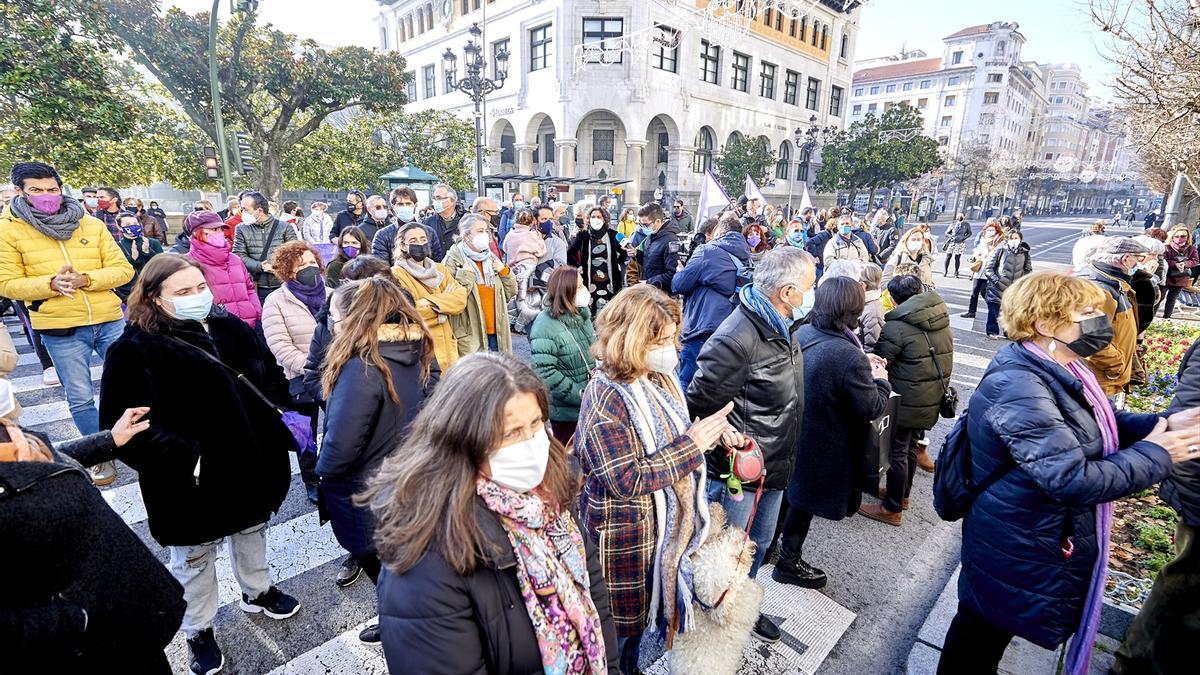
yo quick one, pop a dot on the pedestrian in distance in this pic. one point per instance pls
(1111, 268)
(913, 256)
(1008, 262)
(1054, 454)
(137, 247)
(844, 389)
(754, 362)
(1182, 260)
(377, 373)
(226, 274)
(317, 225)
(1149, 222)
(255, 241)
(435, 293)
(681, 218)
(560, 342)
(957, 236)
(202, 482)
(490, 285)
(844, 245)
(350, 244)
(490, 572)
(918, 345)
(1095, 229)
(658, 258)
(598, 254)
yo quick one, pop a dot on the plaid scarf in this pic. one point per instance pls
(553, 577)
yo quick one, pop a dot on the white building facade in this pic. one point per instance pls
(659, 92)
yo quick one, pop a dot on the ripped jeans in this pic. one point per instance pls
(195, 567)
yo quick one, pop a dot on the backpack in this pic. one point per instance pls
(954, 488)
(745, 275)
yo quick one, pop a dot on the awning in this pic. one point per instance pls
(556, 180)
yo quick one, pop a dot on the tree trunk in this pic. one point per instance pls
(270, 176)
(871, 200)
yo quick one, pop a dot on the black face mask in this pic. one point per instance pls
(1097, 333)
(308, 276)
(418, 252)
(495, 220)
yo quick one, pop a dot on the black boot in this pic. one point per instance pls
(791, 569)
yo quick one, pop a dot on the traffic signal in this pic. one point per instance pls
(245, 157)
(243, 6)
(212, 167)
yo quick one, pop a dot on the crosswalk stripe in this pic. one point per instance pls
(46, 412)
(293, 547)
(343, 655)
(30, 383)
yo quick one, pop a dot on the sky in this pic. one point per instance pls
(1056, 31)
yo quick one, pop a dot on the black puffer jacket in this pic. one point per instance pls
(958, 232)
(201, 419)
(438, 622)
(748, 362)
(1182, 490)
(661, 257)
(911, 368)
(87, 560)
(1003, 268)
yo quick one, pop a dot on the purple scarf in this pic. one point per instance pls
(1080, 653)
(312, 298)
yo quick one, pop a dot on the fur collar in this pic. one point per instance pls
(394, 332)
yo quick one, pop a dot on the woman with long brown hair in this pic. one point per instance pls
(644, 491)
(486, 569)
(376, 375)
(560, 342)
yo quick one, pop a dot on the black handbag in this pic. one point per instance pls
(878, 448)
(948, 407)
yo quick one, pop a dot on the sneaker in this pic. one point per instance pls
(349, 572)
(796, 572)
(50, 377)
(766, 630)
(995, 337)
(370, 635)
(968, 315)
(207, 658)
(274, 603)
(104, 473)
(877, 512)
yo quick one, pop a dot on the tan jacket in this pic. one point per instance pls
(449, 299)
(469, 327)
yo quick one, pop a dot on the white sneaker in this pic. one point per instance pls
(50, 377)
(104, 473)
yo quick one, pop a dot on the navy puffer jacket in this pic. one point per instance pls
(1014, 572)
(709, 284)
(1182, 491)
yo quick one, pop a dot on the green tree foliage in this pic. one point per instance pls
(369, 146)
(857, 159)
(275, 86)
(744, 157)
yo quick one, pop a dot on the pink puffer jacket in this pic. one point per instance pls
(228, 280)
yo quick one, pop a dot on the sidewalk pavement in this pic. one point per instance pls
(1021, 658)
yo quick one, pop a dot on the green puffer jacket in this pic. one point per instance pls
(561, 357)
(911, 368)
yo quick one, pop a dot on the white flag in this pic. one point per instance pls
(752, 192)
(712, 197)
(805, 201)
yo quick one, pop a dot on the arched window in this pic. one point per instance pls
(845, 46)
(1000, 48)
(702, 160)
(824, 37)
(783, 167)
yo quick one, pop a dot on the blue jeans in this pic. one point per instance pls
(739, 514)
(72, 355)
(687, 358)
(493, 345)
(993, 320)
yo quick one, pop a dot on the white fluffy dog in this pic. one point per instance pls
(721, 565)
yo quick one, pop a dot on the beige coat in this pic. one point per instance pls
(469, 328)
(8, 361)
(288, 327)
(448, 300)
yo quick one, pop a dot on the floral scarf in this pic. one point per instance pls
(553, 577)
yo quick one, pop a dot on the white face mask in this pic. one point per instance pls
(597, 223)
(522, 466)
(914, 246)
(248, 218)
(480, 241)
(379, 214)
(663, 359)
(583, 297)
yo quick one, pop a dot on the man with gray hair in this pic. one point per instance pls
(753, 360)
(445, 217)
(1111, 269)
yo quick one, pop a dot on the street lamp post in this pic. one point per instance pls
(476, 85)
(807, 141)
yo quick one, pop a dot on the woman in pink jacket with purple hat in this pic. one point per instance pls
(230, 283)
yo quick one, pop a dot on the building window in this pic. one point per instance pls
(925, 84)
(710, 59)
(766, 84)
(995, 77)
(815, 34)
(409, 22)
(944, 141)
(598, 32)
(874, 90)
(741, 71)
(991, 97)
(824, 37)
(427, 73)
(951, 101)
(891, 88)
(803, 28)
(508, 149)
(791, 84)
(779, 21)
(767, 17)
(792, 29)
(845, 46)
(956, 58)
(802, 167)
(947, 120)
(665, 58)
(497, 47)
(702, 160)
(813, 95)
(907, 86)
(872, 107)
(835, 101)
(539, 47)
(922, 103)
(383, 37)
(602, 144)
(783, 167)
(857, 110)
(1000, 48)
(429, 16)
(858, 91)
(411, 86)
(953, 81)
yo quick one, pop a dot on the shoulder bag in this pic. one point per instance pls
(948, 407)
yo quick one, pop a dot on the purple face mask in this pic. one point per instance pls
(45, 203)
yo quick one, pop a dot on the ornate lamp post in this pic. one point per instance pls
(476, 85)
(807, 141)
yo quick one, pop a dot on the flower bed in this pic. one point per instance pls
(1143, 525)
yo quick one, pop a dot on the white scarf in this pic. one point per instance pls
(488, 276)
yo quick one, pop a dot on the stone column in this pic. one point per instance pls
(564, 152)
(525, 164)
(633, 171)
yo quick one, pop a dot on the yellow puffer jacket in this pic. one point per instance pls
(30, 259)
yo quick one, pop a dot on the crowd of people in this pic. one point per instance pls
(561, 515)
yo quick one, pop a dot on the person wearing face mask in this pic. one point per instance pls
(377, 217)
(817, 243)
(709, 283)
(378, 371)
(1009, 261)
(795, 235)
(1110, 268)
(437, 295)
(205, 478)
(658, 254)
(913, 255)
(986, 241)
(643, 465)
(550, 231)
(491, 571)
(444, 219)
(108, 207)
(1182, 260)
(90, 201)
(1147, 283)
(681, 218)
(560, 343)
(918, 345)
(150, 225)
(356, 210)
(348, 247)
(756, 239)
(257, 238)
(956, 244)
(845, 245)
(1055, 454)
(138, 250)
(490, 285)
(870, 322)
(600, 258)
(524, 246)
(507, 216)
(754, 362)
(404, 211)
(317, 225)
(844, 389)
(64, 266)
(228, 280)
